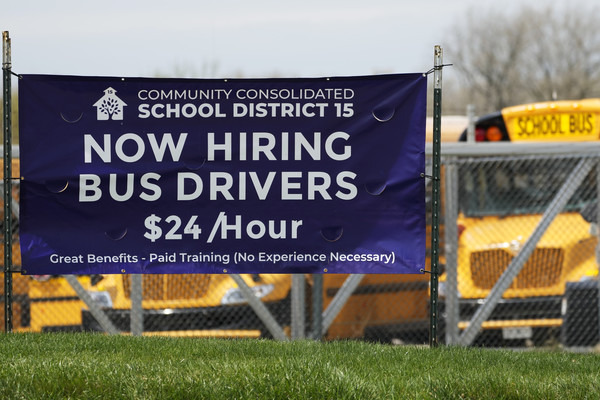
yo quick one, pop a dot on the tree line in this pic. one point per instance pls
(502, 58)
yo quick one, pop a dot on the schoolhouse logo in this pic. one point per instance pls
(109, 106)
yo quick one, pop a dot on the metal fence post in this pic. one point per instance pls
(471, 125)
(435, 195)
(137, 312)
(7, 108)
(451, 247)
(597, 223)
(298, 303)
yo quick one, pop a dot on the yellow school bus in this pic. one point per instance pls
(566, 120)
(500, 205)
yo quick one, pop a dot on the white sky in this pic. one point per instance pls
(227, 38)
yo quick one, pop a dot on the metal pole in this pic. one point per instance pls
(471, 125)
(298, 305)
(451, 243)
(6, 72)
(596, 222)
(137, 312)
(435, 195)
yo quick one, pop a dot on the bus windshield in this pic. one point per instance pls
(501, 187)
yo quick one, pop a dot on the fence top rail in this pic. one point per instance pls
(463, 149)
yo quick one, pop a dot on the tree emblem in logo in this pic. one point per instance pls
(109, 106)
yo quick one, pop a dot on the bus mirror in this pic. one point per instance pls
(589, 212)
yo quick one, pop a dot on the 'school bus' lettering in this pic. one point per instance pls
(554, 125)
(564, 120)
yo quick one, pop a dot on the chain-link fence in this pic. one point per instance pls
(521, 244)
(520, 270)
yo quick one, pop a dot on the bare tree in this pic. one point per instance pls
(485, 48)
(564, 50)
(532, 54)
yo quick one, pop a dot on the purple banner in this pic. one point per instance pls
(136, 175)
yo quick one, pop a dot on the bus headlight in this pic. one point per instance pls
(442, 289)
(101, 298)
(235, 295)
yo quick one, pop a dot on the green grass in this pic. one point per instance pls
(88, 366)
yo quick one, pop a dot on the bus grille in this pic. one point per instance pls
(543, 269)
(171, 286)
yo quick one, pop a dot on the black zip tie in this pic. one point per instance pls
(437, 67)
(425, 271)
(429, 177)
(17, 75)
